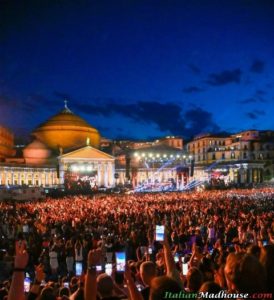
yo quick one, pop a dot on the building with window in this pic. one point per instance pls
(45, 161)
(245, 157)
(6, 143)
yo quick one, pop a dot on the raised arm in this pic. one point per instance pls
(133, 291)
(170, 263)
(16, 291)
(94, 258)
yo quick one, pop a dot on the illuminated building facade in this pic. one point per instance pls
(6, 143)
(87, 165)
(65, 151)
(15, 174)
(245, 157)
(61, 144)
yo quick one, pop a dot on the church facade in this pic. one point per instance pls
(63, 150)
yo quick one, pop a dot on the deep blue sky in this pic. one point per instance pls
(139, 69)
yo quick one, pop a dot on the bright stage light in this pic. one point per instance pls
(74, 168)
(164, 155)
(150, 155)
(158, 155)
(136, 154)
(82, 168)
(143, 154)
(178, 156)
(89, 168)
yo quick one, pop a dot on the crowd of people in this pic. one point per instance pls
(65, 248)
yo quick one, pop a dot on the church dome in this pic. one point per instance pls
(66, 130)
(36, 153)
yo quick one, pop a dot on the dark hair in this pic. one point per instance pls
(210, 286)
(194, 279)
(161, 285)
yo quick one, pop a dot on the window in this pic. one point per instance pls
(244, 155)
(213, 156)
(223, 156)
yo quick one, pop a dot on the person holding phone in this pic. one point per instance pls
(16, 291)
(94, 259)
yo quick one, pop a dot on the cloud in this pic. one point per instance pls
(195, 70)
(199, 120)
(224, 77)
(260, 93)
(257, 66)
(248, 100)
(256, 98)
(255, 114)
(192, 89)
(166, 116)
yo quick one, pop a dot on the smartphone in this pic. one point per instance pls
(160, 231)
(27, 282)
(185, 269)
(43, 283)
(264, 243)
(139, 287)
(108, 269)
(120, 261)
(66, 284)
(78, 268)
(99, 268)
(176, 257)
(149, 250)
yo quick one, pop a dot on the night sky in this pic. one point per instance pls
(138, 69)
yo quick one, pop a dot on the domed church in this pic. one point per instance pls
(64, 150)
(66, 130)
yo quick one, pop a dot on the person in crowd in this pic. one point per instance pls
(225, 238)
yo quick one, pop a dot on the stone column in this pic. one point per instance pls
(61, 172)
(111, 173)
(105, 175)
(99, 174)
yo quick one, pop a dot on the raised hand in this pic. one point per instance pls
(94, 257)
(21, 255)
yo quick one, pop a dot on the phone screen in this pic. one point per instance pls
(98, 268)
(108, 269)
(264, 243)
(160, 231)
(176, 257)
(120, 261)
(139, 287)
(66, 284)
(185, 269)
(78, 268)
(27, 285)
(149, 250)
